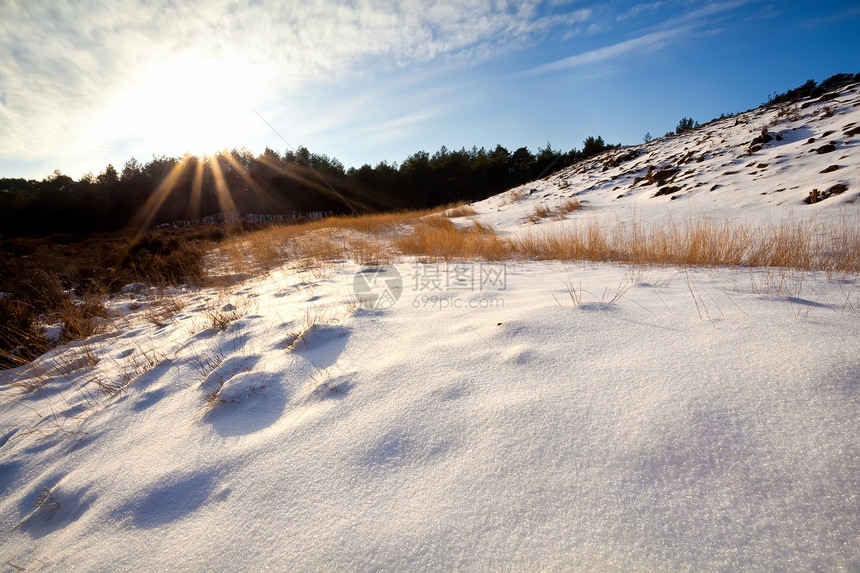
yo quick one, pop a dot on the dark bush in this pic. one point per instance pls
(686, 124)
(811, 89)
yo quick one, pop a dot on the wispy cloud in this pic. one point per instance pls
(702, 16)
(61, 63)
(641, 45)
(399, 127)
(640, 9)
(651, 38)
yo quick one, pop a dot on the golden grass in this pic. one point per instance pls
(363, 238)
(702, 243)
(540, 212)
(431, 236)
(513, 196)
(370, 250)
(543, 211)
(570, 206)
(441, 240)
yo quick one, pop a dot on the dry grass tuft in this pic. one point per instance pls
(110, 387)
(76, 359)
(161, 311)
(220, 318)
(570, 206)
(365, 239)
(46, 500)
(318, 246)
(540, 212)
(224, 310)
(544, 211)
(207, 361)
(212, 397)
(587, 242)
(517, 195)
(461, 211)
(82, 318)
(299, 335)
(139, 361)
(370, 250)
(438, 239)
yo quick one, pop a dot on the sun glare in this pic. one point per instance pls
(188, 104)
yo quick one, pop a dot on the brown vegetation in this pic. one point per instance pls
(702, 243)
(437, 239)
(66, 279)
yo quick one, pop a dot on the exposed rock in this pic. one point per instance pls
(621, 158)
(760, 140)
(837, 189)
(668, 190)
(815, 195)
(658, 176)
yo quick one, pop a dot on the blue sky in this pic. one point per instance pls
(84, 84)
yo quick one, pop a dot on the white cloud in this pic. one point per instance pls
(640, 9)
(641, 45)
(680, 27)
(62, 63)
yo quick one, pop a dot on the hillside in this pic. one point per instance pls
(511, 414)
(722, 170)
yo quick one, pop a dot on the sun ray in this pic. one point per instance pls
(311, 179)
(222, 192)
(271, 163)
(246, 177)
(150, 208)
(196, 199)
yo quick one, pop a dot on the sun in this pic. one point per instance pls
(187, 104)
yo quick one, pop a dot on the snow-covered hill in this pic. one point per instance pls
(496, 416)
(721, 170)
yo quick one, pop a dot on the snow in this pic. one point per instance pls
(568, 417)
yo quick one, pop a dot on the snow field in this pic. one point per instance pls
(536, 434)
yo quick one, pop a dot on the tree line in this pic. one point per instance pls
(168, 189)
